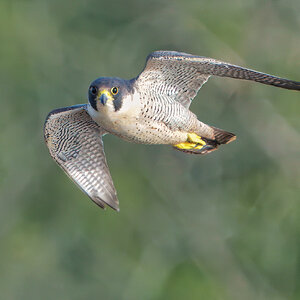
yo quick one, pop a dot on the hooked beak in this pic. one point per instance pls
(103, 99)
(105, 96)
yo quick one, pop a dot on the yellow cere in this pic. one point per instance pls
(107, 93)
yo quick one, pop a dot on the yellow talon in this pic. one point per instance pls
(193, 141)
(194, 138)
(186, 145)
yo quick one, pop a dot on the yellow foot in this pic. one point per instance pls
(195, 138)
(194, 141)
(188, 146)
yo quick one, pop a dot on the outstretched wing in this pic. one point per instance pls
(179, 76)
(75, 143)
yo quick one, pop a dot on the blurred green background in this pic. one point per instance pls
(221, 226)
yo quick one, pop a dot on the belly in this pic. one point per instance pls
(138, 130)
(145, 134)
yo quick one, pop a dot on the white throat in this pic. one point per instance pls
(114, 121)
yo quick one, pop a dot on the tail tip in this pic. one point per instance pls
(222, 136)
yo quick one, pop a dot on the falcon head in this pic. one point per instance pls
(108, 93)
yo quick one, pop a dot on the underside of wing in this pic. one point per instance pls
(75, 142)
(179, 76)
(172, 75)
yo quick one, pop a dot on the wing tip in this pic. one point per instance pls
(291, 85)
(101, 203)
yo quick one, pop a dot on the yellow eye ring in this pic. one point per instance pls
(114, 90)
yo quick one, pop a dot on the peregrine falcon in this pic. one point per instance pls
(152, 108)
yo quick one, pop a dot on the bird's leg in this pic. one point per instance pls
(195, 138)
(193, 141)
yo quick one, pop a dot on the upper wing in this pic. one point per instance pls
(179, 76)
(75, 143)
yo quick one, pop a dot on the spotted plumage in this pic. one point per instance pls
(152, 108)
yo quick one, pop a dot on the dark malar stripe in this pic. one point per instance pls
(118, 103)
(93, 101)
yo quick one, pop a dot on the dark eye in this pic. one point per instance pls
(114, 90)
(93, 90)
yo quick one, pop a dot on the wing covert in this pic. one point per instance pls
(75, 142)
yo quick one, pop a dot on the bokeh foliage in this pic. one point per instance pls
(222, 226)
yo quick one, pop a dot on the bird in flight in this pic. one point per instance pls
(152, 108)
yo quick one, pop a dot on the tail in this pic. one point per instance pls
(201, 145)
(222, 136)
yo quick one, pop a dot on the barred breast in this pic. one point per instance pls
(162, 121)
(148, 118)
